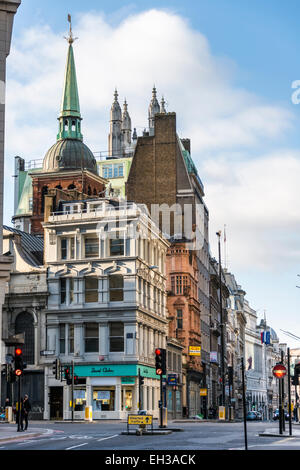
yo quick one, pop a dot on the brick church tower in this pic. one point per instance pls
(69, 167)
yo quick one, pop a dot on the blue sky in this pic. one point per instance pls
(230, 85)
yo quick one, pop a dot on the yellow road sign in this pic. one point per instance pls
(139, 419)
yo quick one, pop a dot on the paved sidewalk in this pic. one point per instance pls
(8, 432)
(271, 432)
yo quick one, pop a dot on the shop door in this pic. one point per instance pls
(56, 402)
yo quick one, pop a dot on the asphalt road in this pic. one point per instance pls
(196, 436)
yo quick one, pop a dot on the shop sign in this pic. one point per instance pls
(149, 372)
(128, 380)
(115, 370)
(172, 379)
(195, 350)
(103, 395)
(214, 356)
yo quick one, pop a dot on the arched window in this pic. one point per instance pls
(72, 186)
(24, 324)
(89, 191)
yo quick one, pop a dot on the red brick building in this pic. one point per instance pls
(162, 172)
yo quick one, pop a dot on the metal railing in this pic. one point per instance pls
(94, 211)
(100, 156)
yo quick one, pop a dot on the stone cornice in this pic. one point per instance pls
(10, 6)
(5, 267)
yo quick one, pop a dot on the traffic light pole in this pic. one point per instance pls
(282, 396)
(244, 403)
(161, 402)
(280, 405)
(72, 391)
(19, 405)
(140, 390)
(289, 392)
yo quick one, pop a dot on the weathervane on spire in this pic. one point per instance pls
(70, 39)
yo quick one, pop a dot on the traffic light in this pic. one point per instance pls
(19, 366)
(67, 375)
(10, 375)
(56, 369)
(230, 375)
(76, 380)
(295, 380)
(141, 379)
(160, 361)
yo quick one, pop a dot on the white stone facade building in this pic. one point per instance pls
(106, 307)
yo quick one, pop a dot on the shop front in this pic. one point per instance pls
(111, 391)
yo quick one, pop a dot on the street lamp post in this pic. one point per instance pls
(244, 403)
(222, 322)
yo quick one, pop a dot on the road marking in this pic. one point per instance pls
(74, 447)
(32, 441)
(240, 448)
(283, 440)
(110, 437)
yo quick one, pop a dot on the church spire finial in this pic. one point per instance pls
(70, 117)
(71, 38)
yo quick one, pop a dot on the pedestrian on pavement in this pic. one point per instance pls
(295, 414)
(7, 402)
(26, 407)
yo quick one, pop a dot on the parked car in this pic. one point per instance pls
(251, 416)
(259, 415)
(276, 415)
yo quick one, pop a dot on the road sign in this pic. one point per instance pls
(279, 371)
(139, 419)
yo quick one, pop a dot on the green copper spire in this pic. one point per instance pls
(70, 117)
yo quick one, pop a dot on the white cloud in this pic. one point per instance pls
(152, 47)
(161, 47)
(258, 200)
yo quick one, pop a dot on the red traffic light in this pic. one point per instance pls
(157, 352)
(18, 351)
(279, 371)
